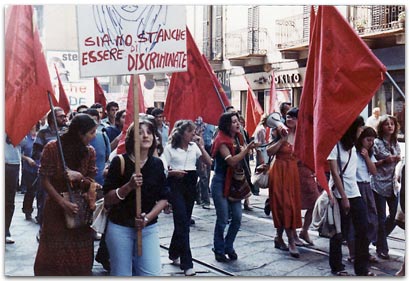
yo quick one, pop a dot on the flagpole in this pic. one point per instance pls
(137, 161)
(395, 85)
(219, 96)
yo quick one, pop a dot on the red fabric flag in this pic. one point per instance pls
(342, 75)
(254, 111)
(192, 93)
(129, 115)
(99, 94)
(312, 22)
(62, 97)
(27, 79)
(273, 102)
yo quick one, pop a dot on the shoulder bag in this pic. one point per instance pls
(100, 214)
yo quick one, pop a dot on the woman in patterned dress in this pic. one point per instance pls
(63, 251)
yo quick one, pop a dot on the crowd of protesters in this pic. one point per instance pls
(176, 166)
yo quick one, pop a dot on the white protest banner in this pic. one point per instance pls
(131, 39)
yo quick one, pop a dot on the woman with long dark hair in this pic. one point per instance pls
(119, 189)
(63, 251)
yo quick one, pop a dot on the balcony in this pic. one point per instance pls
(292, 33)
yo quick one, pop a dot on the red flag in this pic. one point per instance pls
(192, 93)
(254, 111)
(311, 22)
(62, 97)
(273, 101)
(99, 94)
(342, 76)
(129, 115)
(27, 79)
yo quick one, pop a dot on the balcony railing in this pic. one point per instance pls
(294, 31)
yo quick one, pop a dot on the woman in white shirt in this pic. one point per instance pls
(180, 156)
(352, 206)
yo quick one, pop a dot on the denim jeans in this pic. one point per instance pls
(358, 215)
(121, 242)
(386, 224)
(182, 198)
(225, 210)
(11, 184)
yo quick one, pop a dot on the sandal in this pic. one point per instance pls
(341, 273)
(307, 239)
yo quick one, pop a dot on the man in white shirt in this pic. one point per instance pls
(373, 120)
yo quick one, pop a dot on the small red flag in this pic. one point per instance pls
(99, 94)
(254, 111)
(27, 78)
(129, 115)
(342, 75)
(62, 97)
(192, 93)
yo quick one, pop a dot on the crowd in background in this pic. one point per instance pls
(193, 162)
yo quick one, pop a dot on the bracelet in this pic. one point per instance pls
(118, 195)
(227, 157)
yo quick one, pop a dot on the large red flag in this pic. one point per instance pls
(129, 116)
(254, 111)
(192, 93)
(27, 79)
(342, 76)
(62, 97)
(99, 94)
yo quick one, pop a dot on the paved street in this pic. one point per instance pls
(254, 245)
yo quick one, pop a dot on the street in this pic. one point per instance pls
(254, 246)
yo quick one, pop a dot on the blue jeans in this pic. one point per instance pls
(225, 210)
(121, 243)
(386, 224)
(357, 215)
(182, 198)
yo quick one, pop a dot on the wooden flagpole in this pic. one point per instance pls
(137, 160)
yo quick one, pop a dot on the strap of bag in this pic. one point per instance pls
(122, 164)
(339, 163)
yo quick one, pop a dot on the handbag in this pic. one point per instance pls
(261, 176)
(239, 188)
(100, 215)
(83, 216)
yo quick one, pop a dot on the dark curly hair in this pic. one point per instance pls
(225, 122)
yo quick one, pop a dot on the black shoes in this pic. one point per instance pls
(220, 257)
(280, 244)
(384, 256)
(103, 260)
(233, 256)
(267, 207)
